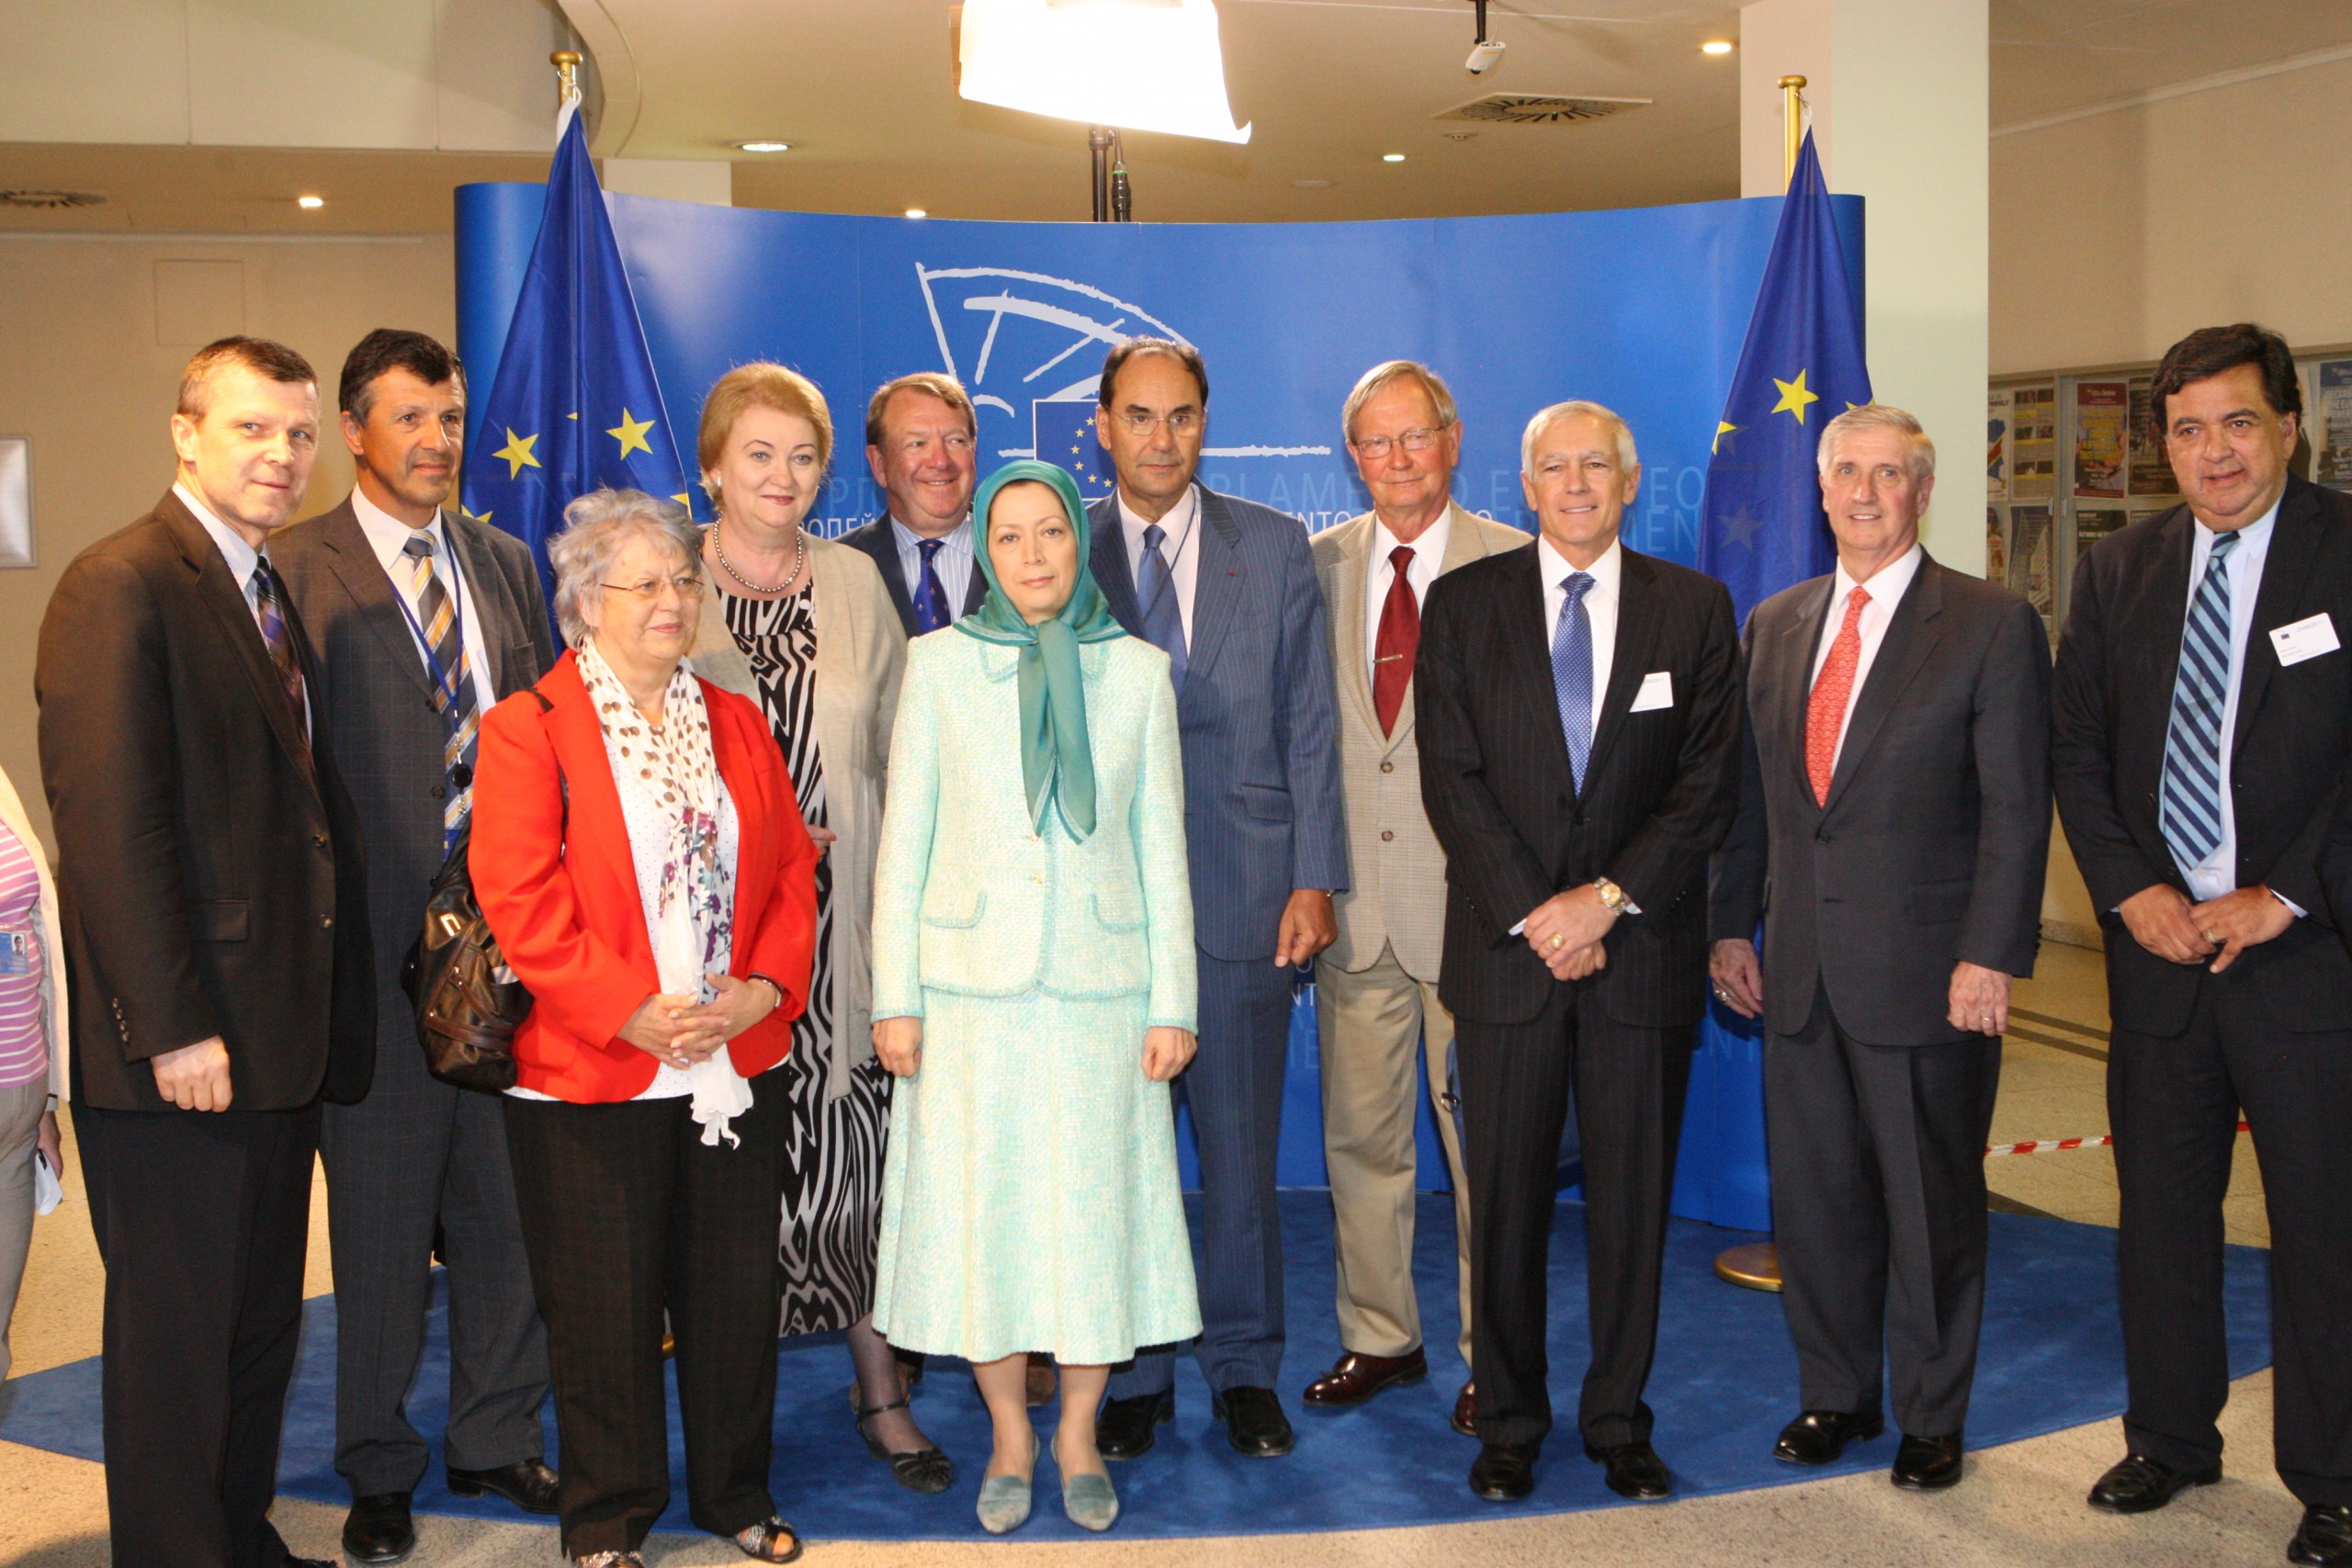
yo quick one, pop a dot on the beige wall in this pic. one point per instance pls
(92, 333)
(2115, 234)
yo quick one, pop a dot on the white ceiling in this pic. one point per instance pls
(862, 89)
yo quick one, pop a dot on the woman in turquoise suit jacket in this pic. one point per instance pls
(1034, 989)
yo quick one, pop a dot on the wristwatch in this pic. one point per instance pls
(1612, 898)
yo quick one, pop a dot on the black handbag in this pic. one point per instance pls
(467, 1002)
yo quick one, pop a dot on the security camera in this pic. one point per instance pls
(1485, 55)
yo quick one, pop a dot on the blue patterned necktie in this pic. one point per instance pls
(930, 598)
(2201, 692)
(1163, 624)
(453, 689)
(268, 598)
(1572, 673)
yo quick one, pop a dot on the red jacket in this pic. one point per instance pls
(563, 902)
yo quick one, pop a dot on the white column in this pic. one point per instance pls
(711, 182)
(1899, 97)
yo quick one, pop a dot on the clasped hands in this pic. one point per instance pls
(1977, 1003)
(680, 1032)
(2162, 919)
(897, 1041)
(1565, 932)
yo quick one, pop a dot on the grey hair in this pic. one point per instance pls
(1627, 458)
(1369, 384)
(595, 528)
(1879, 416)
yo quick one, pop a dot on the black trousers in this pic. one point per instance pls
(1878, 1211)
(626, 1214)
(203, 1222)
(1629, 1084)
(2173, 1104)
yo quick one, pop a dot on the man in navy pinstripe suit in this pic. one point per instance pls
(1228, 590)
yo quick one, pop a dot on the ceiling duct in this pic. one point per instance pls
(1539, 109)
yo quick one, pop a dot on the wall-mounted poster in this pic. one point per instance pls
(2093, 523)
(1997, 546)
(2332, 423)
(2100, 408)
(2033, 443)
(2151, 474)
(2032, 566)
(1996, 445)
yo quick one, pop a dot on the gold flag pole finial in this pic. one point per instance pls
(567, 75)
(1792, 126)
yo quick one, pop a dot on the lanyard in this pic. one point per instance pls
(444, 683)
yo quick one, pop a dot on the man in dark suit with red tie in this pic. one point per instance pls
(216, 928)
(1579, 708)
(2202, 736)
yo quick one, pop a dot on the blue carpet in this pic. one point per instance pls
(1724, 1381)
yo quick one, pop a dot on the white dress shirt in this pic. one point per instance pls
(1428, 555)
(388, 536)
(1600, 606)
(2218, 873)
(1180, 546)
(241, 558)
(952, 563)
(1887, 586)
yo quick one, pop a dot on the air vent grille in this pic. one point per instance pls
(51, 201)
(1539, 109)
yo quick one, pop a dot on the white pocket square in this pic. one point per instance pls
(1657, 691)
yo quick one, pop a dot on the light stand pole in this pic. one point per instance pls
(1114, 197)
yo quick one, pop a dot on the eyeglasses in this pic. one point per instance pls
(1375, 447)
(1184, 421)
(645, 593)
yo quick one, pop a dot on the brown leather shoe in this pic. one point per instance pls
(1355, 1377)
(1041, 1380)
(1466, 1410)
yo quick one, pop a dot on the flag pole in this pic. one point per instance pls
(567, 62)
(1792, 126)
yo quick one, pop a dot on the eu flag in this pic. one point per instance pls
(1062, 433)
(576, 405)
(1762, 528)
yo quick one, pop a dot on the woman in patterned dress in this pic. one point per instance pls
(804, 627)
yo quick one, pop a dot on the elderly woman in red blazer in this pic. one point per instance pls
(638, 851)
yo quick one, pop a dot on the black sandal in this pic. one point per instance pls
(762, 1540)
(927, 1471)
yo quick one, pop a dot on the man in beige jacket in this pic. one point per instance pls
(1376, 986)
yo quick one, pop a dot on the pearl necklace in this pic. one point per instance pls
(799, 559)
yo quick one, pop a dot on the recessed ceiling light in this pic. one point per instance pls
(309, 203)
(917, 212)
(1311, 185)
(1392, 157)
(765, 146)
(1716, 46)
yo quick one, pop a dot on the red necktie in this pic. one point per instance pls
(1835, 688)
(1400, 639)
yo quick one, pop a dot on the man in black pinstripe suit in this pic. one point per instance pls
(1577, 793)
(417, 1153)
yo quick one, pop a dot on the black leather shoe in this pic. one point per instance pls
(1254, 1422)
(378, 1530)
(2138, 1484)
(1504, 1473)
(1355, 1377)
(1465, 1419)
(2325, 1539)
(1818, 1437)
(1926, 1465)
(1123, 1429)
(527, 1483)
(1633, 1470)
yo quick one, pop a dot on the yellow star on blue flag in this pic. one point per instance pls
(1794, 397)
(631, 434)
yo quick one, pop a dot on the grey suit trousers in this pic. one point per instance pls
(414, 1153)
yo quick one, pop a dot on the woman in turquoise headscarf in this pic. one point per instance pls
(1033, 990)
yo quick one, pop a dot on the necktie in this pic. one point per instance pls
(930, 598)
(2201, 692)
(1163, 624)
(1825, 717)
(453, 687)
(1572, 673)
(268, 597)
(1399, 639)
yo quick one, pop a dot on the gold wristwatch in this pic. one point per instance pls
(1612, 898)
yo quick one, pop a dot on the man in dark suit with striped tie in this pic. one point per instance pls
(422, 618)
(2202, 736)
(922, 438)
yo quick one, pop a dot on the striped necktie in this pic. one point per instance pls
(1572, 672)
(1163, 619)
(2201, 693)
(268, 599)
(453, 687)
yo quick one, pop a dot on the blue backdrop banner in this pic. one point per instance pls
(1643, 310)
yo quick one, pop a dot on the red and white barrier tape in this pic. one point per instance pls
(2045, 1145)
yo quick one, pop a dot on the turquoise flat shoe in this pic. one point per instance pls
(1090, 1501)
(1004, 1499)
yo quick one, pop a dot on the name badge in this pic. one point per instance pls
(2304, 639)
(1657, 691)
(16, 951)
